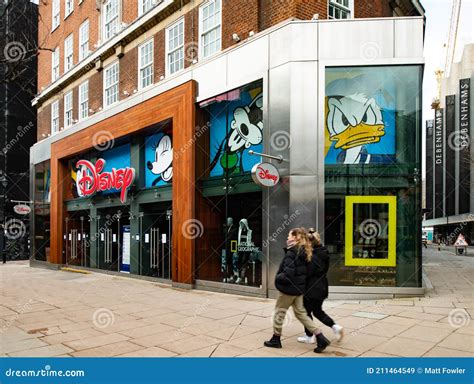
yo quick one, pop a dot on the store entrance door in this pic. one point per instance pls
(76, 239)
(113, 240)
(155, 240)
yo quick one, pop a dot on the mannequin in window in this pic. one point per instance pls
(230, 234)
(240, 258)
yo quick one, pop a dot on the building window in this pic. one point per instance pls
(111, 84)
(68, 109)
(84, 100)
(55, 65)
(68, 53)
(210, 28)
(56, 11)
(55, 117)
(111, 9)
(175, 47)
(69, 7)
(145, 5)
(145, 62)
(84, 40)
(341, 9)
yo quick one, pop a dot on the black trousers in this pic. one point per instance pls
(314, 307)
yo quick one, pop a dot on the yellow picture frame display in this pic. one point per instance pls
(391, 259)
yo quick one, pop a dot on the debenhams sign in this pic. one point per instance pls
(439, 137)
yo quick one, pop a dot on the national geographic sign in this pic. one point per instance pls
(464, 143)
(439, 162)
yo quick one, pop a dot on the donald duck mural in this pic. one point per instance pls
(360, 121)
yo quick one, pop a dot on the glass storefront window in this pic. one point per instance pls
(372, 175)
(229, 203)
(41, 211)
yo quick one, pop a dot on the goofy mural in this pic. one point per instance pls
(360, 122)
(229, 147)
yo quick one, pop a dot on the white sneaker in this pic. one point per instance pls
(307, 339)
(338, 331)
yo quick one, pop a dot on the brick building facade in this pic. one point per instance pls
(241, 17)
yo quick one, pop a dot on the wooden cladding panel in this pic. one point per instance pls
(176, 104)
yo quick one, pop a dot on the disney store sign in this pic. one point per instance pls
(265, 174)
(93, 179)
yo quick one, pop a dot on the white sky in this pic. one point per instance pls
(438, 15)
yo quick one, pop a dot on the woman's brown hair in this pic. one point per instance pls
(302, 241)
(314, 237)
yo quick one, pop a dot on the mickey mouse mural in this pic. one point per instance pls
(159, 160)
(236, 127)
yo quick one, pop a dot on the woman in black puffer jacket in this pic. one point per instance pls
(290, 280)
(317, 288)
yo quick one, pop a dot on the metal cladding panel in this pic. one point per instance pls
(294, 42)
(247, 63)
(303, 118)
(408, 38)
(368, 40)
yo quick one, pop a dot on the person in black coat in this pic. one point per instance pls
(290, 280)
(317, 288)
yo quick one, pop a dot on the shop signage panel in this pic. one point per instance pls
(93, 179)
(464, 142)
(236, 121)
(371, 229)
(22, 209)
(429, 168)
(125, 264)
(265, 174)
(158, 160)
(439, 162)
(360, 116)
(449, 169)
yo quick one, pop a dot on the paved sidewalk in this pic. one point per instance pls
(56, 313)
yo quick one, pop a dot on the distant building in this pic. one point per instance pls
(450, 156)
(18, 75)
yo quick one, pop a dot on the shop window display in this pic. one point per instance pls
(42, 210)
(229, 203)
(372, 167)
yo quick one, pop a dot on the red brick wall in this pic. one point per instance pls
(128, 73)
(238, 16)
(375, 8)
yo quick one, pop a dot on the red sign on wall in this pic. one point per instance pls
(94, 180)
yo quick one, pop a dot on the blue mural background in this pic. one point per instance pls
(151, 143)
